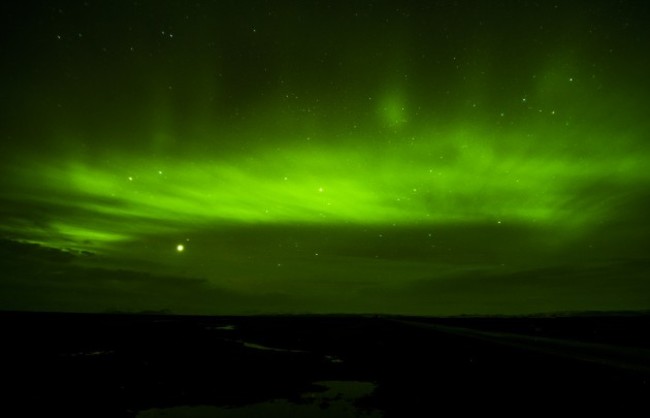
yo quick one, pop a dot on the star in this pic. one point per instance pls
(180, 248)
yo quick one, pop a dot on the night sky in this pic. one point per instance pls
(246, 157)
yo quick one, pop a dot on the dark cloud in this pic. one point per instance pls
(40, 278)
(605, 285)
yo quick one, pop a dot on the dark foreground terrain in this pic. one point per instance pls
(78, 365)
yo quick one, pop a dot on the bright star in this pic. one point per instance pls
(180, 248)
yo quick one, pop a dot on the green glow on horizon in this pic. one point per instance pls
(460, 177)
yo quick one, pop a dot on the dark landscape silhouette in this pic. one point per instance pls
(128, 365)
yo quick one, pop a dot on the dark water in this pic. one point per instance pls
(337, 401)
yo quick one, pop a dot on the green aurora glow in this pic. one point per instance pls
(436, 159)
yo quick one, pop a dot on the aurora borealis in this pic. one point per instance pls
(302, 156)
